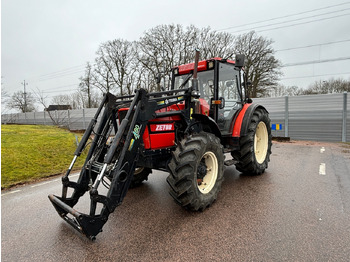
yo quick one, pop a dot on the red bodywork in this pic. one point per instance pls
(236, 132)
(160, 132)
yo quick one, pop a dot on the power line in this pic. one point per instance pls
(60, 91)
(307, 22)
(61, 75)
(307, 46)
(317, 20)
(316, 61)
(294, 20)
(286, 16)
(48, 90)
(63, 70)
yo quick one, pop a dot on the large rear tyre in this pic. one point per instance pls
(196, 171)
(255, 151)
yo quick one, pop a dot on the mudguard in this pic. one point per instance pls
(240, 127)
(208, 121)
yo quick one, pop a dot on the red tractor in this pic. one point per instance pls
(184, 131)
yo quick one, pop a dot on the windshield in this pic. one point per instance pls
(205, 82)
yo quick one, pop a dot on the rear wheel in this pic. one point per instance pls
(196, 171)
(140, 175)
(255, 151)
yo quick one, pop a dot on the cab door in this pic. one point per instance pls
(228, 96)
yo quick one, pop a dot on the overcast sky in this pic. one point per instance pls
(48, 42)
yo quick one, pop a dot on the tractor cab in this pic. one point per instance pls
(219, 86)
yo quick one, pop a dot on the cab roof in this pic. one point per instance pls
(202, 65)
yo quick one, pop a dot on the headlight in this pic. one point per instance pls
(176, 71)
(211, 65)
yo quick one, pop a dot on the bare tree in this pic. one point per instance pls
(121, 66)
(4, 99)
(328, 87)
(261, 67)
(4, 95)
(86, 85)
(281, 90)
(114, 70)
(165, 46)
(57, 119)
(215, 44)
(61, 100)
(81, 100)
(21, 102)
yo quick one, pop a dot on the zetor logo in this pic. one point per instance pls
(165, 127)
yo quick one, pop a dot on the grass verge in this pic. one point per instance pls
(31, 152)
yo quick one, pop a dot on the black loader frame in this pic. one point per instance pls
(117, 161)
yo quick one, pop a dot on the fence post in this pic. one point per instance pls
(44, 117)
(286, 116)
(343, 135)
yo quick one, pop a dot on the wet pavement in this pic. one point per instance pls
(293, 212)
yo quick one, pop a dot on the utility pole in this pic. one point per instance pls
(25, 95)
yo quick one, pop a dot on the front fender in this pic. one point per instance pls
(209, 122)
(240, 127)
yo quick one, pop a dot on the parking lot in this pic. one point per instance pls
(299, 210)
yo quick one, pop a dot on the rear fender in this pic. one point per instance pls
(240, 127)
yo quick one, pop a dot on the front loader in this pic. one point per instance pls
(184, 131)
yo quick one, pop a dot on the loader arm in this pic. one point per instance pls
(119, 161)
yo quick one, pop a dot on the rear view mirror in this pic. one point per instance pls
(239, 60)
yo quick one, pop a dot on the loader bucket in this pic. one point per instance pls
(84, 224)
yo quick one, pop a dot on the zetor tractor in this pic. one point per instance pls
(184, 131)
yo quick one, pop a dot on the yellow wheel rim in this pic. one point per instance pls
(206, 184)
(261, 140)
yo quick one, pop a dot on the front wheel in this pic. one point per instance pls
(196, 171)
(255, 147)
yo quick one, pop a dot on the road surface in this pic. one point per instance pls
(299, 210)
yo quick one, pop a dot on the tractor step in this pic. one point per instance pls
(230, 162)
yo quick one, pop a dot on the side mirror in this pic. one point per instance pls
(239, 61)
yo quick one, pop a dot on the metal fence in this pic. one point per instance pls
(312, 117)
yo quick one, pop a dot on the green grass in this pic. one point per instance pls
(30, 152)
